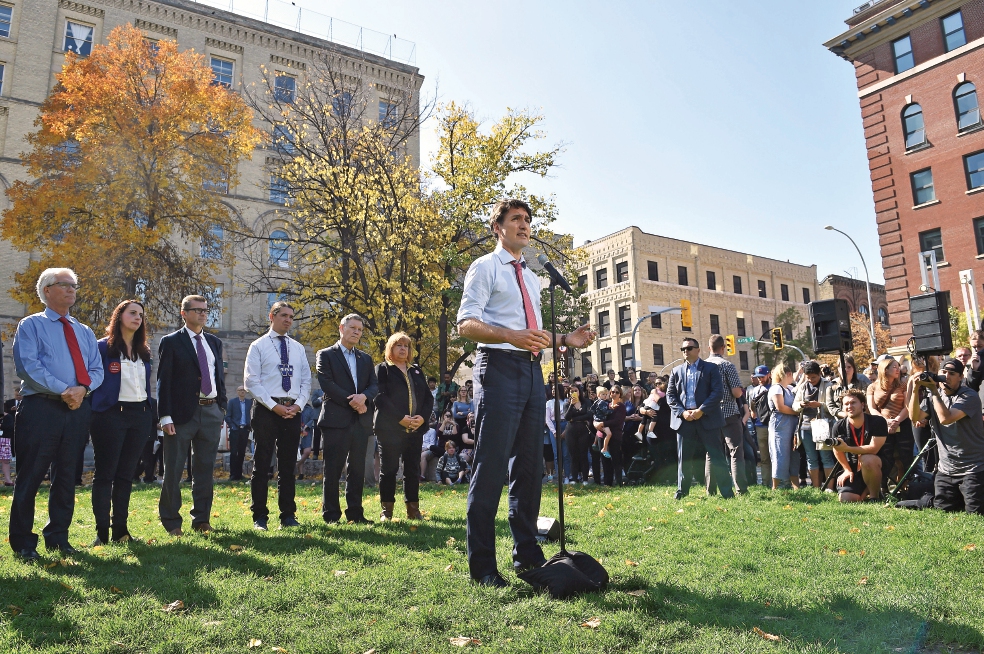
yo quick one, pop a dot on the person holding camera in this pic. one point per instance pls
(815, 420)
(857, 440)
(957, 424)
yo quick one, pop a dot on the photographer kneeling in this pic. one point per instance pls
(959, 431)
(857, 439)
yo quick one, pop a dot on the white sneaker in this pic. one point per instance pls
(550, 479)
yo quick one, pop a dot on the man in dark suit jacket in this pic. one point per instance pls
(348, 378)
(191, 401)
(238, 418)
(694, 396)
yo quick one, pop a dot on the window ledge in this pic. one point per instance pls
(925, 145)
(925, 204)
(979, 256)
(970, 130)
(979, 189)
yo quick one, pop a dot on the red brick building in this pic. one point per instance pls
(920, 70)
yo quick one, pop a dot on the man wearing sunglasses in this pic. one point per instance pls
(694, 395)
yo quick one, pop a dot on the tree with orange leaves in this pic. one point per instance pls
(134, 148)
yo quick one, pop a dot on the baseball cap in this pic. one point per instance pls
(761, 371)
(954, 365)
(882, 357)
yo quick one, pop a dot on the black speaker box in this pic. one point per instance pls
(930, 324)
(830, 322)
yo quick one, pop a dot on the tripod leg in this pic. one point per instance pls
(908, 473)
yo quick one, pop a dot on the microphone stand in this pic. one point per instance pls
(556, 400)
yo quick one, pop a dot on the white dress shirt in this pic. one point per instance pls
(133, 380)
(262, 378)
(209, 358)
(492, 294)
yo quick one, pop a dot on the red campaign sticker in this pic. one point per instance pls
(114, 367)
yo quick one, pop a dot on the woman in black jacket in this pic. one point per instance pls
(400, 421)
(616, 421)
(578, 434)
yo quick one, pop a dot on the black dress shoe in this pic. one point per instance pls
(260, 525)
(493, 580)
(29, 556)
(289, 521)
(679, 495)
(526, 567)
(64, 550)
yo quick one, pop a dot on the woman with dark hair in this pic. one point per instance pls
(122, 418)
(615, 422)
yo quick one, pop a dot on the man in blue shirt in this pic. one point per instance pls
(58, 362)
(500, 310)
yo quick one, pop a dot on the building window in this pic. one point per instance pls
(606, 360)
(922, 186)
(979, 234)
(715, 324)
(628, 358)
(624, 319)
(765, 329)
(6, 12)
(653, 271)
(913, 126)
(586, 364)
(682, 276)
(784, 292)
(279, 190)
(341, 104)
(736, 283)
(974, 165)
(953, 31)
(212, 244)
(656, 322)
(712, 284)
(284, 87)
(214, 320)
(78, 38)
(932, 240)
(219, 181)
(863, 310)
(582, 282)
(601, 278)
(761, 285)
(388, 113)
(806, 295)
(279, 249)
(883, 316)
(3, 68)
(621, 272)
(273, 298)
(222, 72)
(604, 324)
(657, 354)
(741, 327)
(283, 140)
(902, 51)
(965, 103)
(743, 360)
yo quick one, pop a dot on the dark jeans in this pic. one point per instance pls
(964, 493)
(394, 446)
(579, 440)
(48, 434)
(118, 438)
(238, 442)
(688, 436)
(349, 443)
(613, 466)
(511, 409)
(271, 433)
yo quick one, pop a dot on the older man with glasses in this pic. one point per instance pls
(58, 362)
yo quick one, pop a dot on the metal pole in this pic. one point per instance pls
(556, 402)
(668, 365)
(867, 282)
(636, 361)
(791, 347)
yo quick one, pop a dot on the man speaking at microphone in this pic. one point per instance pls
(500, 311)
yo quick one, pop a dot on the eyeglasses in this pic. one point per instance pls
(65, 285)
(199, 310)
(688, 348)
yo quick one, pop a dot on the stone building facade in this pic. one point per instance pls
(36, 34)
(856, 293)
(918, 66)
(630, 273)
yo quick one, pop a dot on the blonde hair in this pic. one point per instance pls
(882, 367)
(392, 342)
(779, 373)
(602, 391)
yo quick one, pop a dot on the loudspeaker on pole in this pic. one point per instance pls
(830, 323)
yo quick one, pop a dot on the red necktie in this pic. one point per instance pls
(527, 305)
(81, 374)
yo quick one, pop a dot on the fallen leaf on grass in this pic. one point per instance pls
(49, 566)
(254, 643)
(609, 507)
(592, 623)
(970, 548)
(235, 548)
(267, 578)
(370, 651)
(114, 589)
(413, 528)
(637, 593)
(517, 627)
(855, 530)
(14, 609)
(176, 605)
(601, 514)
(465, 641)
(309, 535)
(151, 541)
(279, 650)
(765, 635)
(339, 573)
(863, 582)
(65, 586)
(631, 564)
(679, 510)
(841, 552)
(787, 508)
(98, 548)
(451, 541)
(449, 568)
(649, 528)
(212, 623)
(890, 528)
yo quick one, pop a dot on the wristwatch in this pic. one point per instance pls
(88, 391)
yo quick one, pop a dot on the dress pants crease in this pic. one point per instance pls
(341, 445)
(274, 435)
(201, 433)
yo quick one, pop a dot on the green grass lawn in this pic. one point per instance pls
(694, 576)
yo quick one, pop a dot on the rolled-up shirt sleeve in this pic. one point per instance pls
(476, 292)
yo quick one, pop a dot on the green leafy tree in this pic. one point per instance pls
(794, 333)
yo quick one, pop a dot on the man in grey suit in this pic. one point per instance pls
(348, 378)
(694, 395)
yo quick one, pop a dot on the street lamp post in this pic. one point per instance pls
(867, 281)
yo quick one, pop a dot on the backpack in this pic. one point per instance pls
(761, 407)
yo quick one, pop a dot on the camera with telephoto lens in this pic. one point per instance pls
(928, 378)
(831, 441)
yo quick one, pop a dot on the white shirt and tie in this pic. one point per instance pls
(263, 379)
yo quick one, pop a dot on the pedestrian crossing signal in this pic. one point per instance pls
(777, 338)
(686, 317)
(729, 344)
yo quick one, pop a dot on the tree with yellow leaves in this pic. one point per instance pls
(134, 142)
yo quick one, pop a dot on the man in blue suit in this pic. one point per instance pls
(694, 395)
(237, 417)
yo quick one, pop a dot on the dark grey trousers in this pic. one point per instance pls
(201, 433)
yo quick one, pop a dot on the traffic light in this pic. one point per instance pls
(729, 344)
(777, 338)
(686, 317)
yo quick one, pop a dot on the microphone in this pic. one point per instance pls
(555, 276)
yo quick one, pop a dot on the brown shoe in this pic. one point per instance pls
(202, 527)
(413, 511)
(387, 512)
(176, 531)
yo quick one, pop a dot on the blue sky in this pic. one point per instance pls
(721, 122)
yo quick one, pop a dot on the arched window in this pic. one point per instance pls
(965, 102)
(882, 316)
(279, 249)
(863, 309)
(212, 243)
(912, 124)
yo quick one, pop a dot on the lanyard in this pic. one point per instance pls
(857, 436)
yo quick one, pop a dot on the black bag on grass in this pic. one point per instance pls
(924, 502)
(567, 574)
